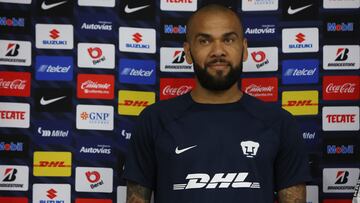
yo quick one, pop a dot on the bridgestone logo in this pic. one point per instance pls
(12, 185)
(13, 60)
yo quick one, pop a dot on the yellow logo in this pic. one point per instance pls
(56, 164)
(133, 102)
(301, 103)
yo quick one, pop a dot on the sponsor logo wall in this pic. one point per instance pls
(73, 82)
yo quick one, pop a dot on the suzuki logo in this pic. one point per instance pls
(342, 54)
(300, 37)
(10, 174)
(92, 176)
(258, 56)
(51, 193)
(250, 148)
(341, 177)
(95, 52)
(137, 37)
(54, 34)
(13, 49)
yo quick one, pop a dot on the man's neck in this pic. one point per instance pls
(205, 96)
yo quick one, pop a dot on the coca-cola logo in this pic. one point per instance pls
(257, 88)
(89, 84)
(17, 84)
(342, 89)
(176, 91)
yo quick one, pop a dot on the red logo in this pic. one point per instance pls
(92, 176)
(51, 193)
(54, 34)
(12, 49)
(12, 115)
(95, 52)
(15, 84)
(300, 37)
(258, 56)
(341, 87)
(173, 87)
(337, 201)
(95, 86)
(86, 200)
(341, 118)
(137, 37)
(14, 199)
(265, 89)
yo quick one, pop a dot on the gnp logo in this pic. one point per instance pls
(15, 53)
(340, 180)
(260, 28)
(14, 178)
(260, 5)
(341, 87)
(298, 40)
(178, 5)
(137, 71)
(133, 102)
(334, 4)
(54, 68)
(301, 103)
(94, 179)
(261, 59)
(54, 36)
(54, 164)
(92, 55)
(265, 89)
(14, 115)
(95, 86)
(51, 193)
(341, 57)
(340, 118)
(140, 40)
(15, 84)
(300, 71)
(102, 3)
(173, 60)
(219, 180)
(94, 117)
(173, 87)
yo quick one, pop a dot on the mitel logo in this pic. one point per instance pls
(173, 60)
(54, 164)
(340, 180)
(341, 57)
(261, 59)
(257, 28)
(94, 179)
(54, 36)
(95, 86)
(15, 53)
(178, 5)
(53, 99)
(260, 5)
(94, 117)
(140, 40)
(15, 84)
(133, 102)
(301, 102)
(137, 71)
(46, 132)
(52, 133)
(93, 55)
(340, 118)
(300, 40)
(300, 71)
(14, 178)
(54, 68)
(51, 193)
(14, 115)
(341, 87)
(265, 89)
(173, 87)
(103, 3)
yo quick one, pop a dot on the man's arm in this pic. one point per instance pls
(293, 194)
(137, 193)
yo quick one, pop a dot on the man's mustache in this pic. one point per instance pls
(218, 60)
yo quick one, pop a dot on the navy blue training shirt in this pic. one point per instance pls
(189, 152)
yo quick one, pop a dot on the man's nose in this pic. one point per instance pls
(217, 49)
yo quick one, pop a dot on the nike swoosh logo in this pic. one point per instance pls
(45, 6)
(179, 151)
(46, 102)
(293, 11)
(132, 10)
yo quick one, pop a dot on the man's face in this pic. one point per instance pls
(216, 48)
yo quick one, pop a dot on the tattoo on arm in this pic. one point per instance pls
(137, 193)
(293, 194)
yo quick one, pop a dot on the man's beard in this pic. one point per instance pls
(220, 81)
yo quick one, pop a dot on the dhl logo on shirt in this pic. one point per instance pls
(133, 102)
(301, 103)
(56, 164)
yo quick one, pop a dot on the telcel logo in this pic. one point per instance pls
(343, 149)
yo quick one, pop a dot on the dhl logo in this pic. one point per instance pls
(56, 164)
(133, 102)
(301, 103)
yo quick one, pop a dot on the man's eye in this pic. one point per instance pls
(203, 41)
(229, 40)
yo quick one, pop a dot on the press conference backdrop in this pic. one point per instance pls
(74, 76)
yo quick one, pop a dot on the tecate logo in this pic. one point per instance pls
(176, 91)
(12, 115)
(345, 88)
(13, 84)
(341, 118)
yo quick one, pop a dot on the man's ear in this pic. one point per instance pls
(245, 51)
(188, 58)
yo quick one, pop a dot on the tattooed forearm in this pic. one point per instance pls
(137, 193)
(294, 194)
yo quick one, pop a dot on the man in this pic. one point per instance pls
(215, 144)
